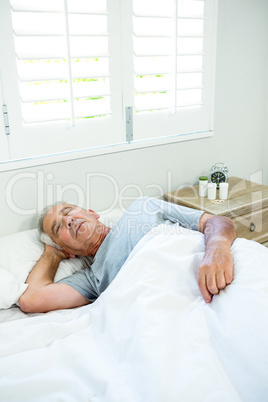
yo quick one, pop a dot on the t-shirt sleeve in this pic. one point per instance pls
(185, 217)
(83, 282)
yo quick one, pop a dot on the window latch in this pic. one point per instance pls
(129, 124)
(6, 119)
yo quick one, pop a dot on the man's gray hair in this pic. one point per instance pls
(45, 238)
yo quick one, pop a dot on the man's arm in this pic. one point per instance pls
(42, 294)
(216, 269)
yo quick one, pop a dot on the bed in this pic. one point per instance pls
(149, 337)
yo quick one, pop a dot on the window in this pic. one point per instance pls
(73, 66)
(170, 53)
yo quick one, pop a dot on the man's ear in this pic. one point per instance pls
(94, 213)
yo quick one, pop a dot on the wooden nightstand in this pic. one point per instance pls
(247, 205)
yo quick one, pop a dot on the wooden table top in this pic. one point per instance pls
(244, 197)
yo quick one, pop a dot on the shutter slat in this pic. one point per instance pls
(155, 8)
(43, 91)
(90, 108)
(50, 47)
(88, 25)
(91, 88)
(190, 27)
(35, 113)
(162, 27)
(189, 97)
(82, 68)
(184, 80)
(189, 45)
(152, 65)
(86, 6)
(162, 90)
(158, 101)
(74, 6)
(47, 91)
(158, 8)
(152, 46)
(189, 63)
(152, 101)
(39, 47)
(39, 70)
(162, 65)
(152, 27)
(89, 47)
(53, 111)
(191, 9)
(160, 17)
(148, 84)
(38, 23)
(188, 80)
(37, 5)
(152, 84)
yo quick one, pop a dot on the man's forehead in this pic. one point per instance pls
(56, 209)
(53, 213)
(59, 209)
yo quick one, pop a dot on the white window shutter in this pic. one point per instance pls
(72, 67)
(173, 66)
(68, 63)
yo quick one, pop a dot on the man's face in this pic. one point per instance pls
(74, 229)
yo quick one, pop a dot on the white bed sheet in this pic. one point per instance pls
(149, 337)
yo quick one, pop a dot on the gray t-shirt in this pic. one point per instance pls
(143, 215)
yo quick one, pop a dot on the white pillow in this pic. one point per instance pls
(19, 253)
(111, 217)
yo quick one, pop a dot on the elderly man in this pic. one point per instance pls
(77, 232)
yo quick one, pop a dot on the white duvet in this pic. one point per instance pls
(149, 337)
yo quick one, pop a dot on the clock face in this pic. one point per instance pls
(218, 177)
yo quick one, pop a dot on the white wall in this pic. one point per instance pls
(240, 119)
(265, 139)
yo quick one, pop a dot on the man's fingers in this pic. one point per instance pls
(211, 283)
(203, 287)
(229, 276)
(220, 279)
(215, 273)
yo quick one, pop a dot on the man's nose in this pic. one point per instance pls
(69, 221)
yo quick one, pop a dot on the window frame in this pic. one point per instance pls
(201, 119)
(99, 151)
(121, 146)
(107, 131)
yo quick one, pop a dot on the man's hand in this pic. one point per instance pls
(60, 254)
(42, 293)
(46, 267)
(216, 270)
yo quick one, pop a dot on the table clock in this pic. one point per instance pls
(219, 173)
